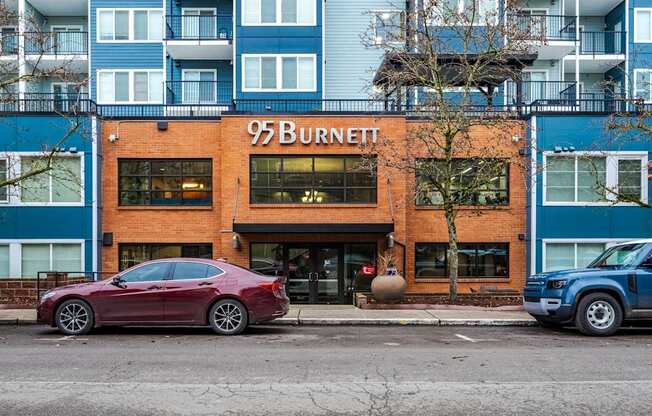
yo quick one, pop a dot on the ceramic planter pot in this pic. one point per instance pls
(388, 287)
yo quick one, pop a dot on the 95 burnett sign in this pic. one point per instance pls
(264, 131)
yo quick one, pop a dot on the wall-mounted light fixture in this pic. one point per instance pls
(390, 240)
(235, 242)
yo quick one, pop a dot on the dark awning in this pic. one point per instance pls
(382, 228)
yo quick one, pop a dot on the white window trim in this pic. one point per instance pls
(16, 254)
(7, 189)
(460, 8)
(183, 84)
(278, 16)
(199, 9)
(131, 85)
(279, 72)
(608, 242)
(637, 10)
(649, 87)
(131, 25)
(612, 158)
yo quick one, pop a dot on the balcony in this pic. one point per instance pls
(551, 36)
(199, 37)
(68, 103)
(602, 43)
(57, 49)
(199, 97)
(8, 44)
(530, 92)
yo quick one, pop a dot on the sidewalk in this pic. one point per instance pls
(349, 315)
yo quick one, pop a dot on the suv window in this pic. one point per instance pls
(188, 270)
(148, 273)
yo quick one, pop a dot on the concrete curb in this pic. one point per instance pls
(401, 322)
(18, 322)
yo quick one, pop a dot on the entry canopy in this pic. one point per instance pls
(358, 228)
(496, 70)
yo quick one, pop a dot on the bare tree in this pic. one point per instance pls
(444, 66)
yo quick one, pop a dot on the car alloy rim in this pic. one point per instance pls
(228, 317)
(600, 314)
(74, 317)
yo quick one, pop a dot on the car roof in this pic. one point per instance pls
(642, 241)
(188, 259)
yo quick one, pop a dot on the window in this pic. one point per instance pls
(388, 26)
(564, 256)
(279, 12)
(148, 273)
(133, 86)
(58, 257)
(457, 12)
(133, 254)
(476, 181)
(199, 23)
(279, 73)
(476, 260)
(311, 180)
(199, 86)
(642, 25)
(189, 270)
(4, 194)
(165, 182)
(643, 84)
(595, 178)
(124, 25)
(62, 184)
(4, 261)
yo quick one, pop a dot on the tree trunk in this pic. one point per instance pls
(452, 254)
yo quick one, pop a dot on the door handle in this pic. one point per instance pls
(154, 288)
(205, 284)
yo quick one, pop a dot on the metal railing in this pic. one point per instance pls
(56, 43)
(199, 92)
(543, 27)
(528, 92)
(602, 43)
(208, 27)
(46, 103)
(315, 106)
(8, 44)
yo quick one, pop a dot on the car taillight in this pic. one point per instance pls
(368, 270)
(277, 287)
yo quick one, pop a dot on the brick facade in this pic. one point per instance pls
(228, 143)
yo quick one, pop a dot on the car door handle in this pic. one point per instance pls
(205, 284)
(154, 288)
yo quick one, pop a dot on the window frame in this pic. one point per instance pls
(5, 159)
(151, 245)
(313, 174)
(149, 181)
(608, 242)
(16, 254)
(132, 86)
(638, 10)
(612, 158)
(17, 200)
(184, 82)
(131, 25)
(279, 15)
(436, 20)
(279, 72)
(173, 268)
(506, 244)
(374, 28)
(637, 71)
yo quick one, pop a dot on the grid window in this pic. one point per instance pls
(62, 184)
(279, 12)
(58, 257)
(279, 73)
(139, 25)
(4, 195)
(165, 182)
(475, 260)
(565, 256)
(475, 182)
(642, 25)
(629, 179)
(311, 180)
(133, 254)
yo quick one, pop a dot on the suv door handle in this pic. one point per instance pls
(205, 283)
(154, 288)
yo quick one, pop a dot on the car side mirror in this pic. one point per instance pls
(117, 281)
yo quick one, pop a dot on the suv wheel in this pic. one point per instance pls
(598, 314)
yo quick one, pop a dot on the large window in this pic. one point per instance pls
(130, 86)
(165, 182)
(62, 257)
(474, 181)
(564, 256)
(311, 180)
(279, 12)
(456, 12)
(476, 260)
(279, 72)
(643, 84)
(62, 184)
(123, 25)
(133, 254)
(595, 178)
(4, 194)
(642, 25)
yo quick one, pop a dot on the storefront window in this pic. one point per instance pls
(133, 254)
(165, 182)
(311, 180)
(359, 266)
(267, 258)
(476, 260)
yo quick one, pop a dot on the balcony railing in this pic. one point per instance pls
(543, 27)
(210, 27)
(315, 106)
(200, 92)
(56, 43)
(8, 44)
(46, 103)
(533, 91)
(602, 43)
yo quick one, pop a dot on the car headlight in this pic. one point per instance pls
(47, 295)
(557, 284)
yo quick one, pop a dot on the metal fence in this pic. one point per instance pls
(315, 106)
(543, 27)
(56, 43)
(528, 92)
(199, 27)
(199, 92)
(46, 103)
(602, 43)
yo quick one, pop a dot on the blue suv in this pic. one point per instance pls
(615, 287)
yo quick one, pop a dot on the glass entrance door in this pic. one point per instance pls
(315, 273)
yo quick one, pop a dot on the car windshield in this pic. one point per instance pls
(623, 255)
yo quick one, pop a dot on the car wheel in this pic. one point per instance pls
(74, 317)
(549, 324)
(228, 317)
(598, 314)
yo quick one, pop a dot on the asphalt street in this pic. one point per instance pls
(325, 371)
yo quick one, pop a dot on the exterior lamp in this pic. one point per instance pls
(390, 240)
(235, 242)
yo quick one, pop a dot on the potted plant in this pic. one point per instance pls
(389, 285)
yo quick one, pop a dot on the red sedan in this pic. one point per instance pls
(168, 292)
